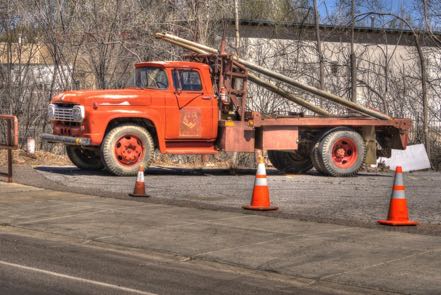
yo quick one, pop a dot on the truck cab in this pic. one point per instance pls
(172, 107)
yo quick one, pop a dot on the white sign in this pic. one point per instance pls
(414, 157)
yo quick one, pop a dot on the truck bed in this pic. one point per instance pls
(284, 133)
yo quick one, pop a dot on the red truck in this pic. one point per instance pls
(199, 107)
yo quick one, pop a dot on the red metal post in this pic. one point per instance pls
(11, 141)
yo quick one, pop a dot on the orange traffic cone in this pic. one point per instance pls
(139, 190)
(260, 200)
(398, 214)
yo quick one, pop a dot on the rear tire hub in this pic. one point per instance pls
(344, 153)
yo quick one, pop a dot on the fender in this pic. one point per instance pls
(103, 117)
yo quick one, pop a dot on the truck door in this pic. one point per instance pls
(189, 110)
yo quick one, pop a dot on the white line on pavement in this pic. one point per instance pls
(60, 275)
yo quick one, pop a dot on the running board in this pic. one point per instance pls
(190, 148)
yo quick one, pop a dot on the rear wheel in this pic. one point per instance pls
(317, 161)
(341, 153)
(85, 158)
(125, 148)
(290, 162)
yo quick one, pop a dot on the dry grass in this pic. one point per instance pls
(193, 161)
(39, 158)
(52, 159)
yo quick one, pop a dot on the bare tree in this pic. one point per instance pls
(353, 63)
(319, 48)
(424, 82)
(423, 71)
(93, 44)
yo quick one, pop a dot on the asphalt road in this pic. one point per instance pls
(34, 266)
(357, 200)
(54, 242)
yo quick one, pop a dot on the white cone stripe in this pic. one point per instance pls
(261, 169)
(398, 195)
(261, 182)
(140, 177)
(399, 179)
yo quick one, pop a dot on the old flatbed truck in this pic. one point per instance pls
(199, 107)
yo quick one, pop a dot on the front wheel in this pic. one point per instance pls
(125, 148)
(85, 158)
(341, 153)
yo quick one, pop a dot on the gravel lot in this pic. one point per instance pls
(352, 201)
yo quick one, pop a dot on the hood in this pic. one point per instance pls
(104, 97)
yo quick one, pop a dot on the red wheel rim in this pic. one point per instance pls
(344, 153)
(129, 150)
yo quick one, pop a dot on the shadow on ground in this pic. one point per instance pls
(156, 171)
(73, 171)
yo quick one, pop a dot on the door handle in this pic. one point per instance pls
(207, 97)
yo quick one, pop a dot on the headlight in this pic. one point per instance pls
(51, 112)
(78, 113)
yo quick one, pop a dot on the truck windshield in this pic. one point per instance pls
(151, 77)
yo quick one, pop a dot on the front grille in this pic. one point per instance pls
(63, 114)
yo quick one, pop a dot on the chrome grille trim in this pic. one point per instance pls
(63, 114)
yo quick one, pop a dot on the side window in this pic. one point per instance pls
(187, 80)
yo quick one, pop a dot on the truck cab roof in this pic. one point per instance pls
(171, 64)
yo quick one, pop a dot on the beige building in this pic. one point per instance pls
(24, 53)
(388, 68)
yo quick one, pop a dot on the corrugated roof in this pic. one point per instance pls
(245, 22)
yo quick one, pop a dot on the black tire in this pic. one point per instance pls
(113, 162)
(274, 159)
(86, 159)
(355, 153)
(317, 161)
(290, 162)
(316, 157)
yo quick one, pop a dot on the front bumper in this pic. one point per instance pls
(65, 139)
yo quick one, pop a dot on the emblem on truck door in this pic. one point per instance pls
(190, 123)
